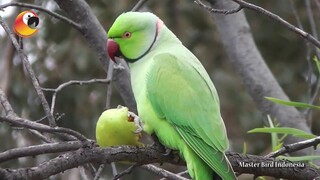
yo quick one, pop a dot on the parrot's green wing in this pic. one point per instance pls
(181, 92)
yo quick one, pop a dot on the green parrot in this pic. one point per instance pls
(116, 127)
(175, 96)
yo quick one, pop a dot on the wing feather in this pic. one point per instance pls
(183, 94)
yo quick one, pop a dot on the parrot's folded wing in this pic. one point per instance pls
(181, 92)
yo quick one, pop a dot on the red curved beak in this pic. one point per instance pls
(112, 49)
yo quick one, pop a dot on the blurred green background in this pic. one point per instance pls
(59, 53)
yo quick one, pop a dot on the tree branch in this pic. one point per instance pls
(53, 14)
(278, 19)
(246, 59)
(80, 12)
(31, 73)
(39, 149)
(295, 147)
(6, 105)
(220, 11)
(139, 5)
(162, 172)
(147, 155)
(72, 82)
(17, 121)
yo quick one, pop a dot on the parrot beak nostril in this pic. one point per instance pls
(33, 22)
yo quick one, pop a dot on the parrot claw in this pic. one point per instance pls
(118, 66)
(119, 107)
(137, 122)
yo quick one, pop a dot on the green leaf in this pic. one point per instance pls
(284, 130)
(316, 60)
(292, 103)
(299, 158)
(274, 137)
(314, 165)
(244, 149)
(261, 178)
(277, 147)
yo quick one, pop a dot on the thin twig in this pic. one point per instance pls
(99, 171)
(72, 82)
(17, 121)
(295, 147)
(277, 18)
(31, 73)
(10, 112)
(39, 149)
(220, 11)
(41, 136)
(109, 85)
(315, 34)
(53, 14)
(114, 170)
(308, 56)
(162, 172)
(5, 103)
(139, 5)
(127, 171)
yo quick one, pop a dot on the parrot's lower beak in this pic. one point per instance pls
(113, 49)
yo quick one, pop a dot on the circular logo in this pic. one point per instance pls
(26, 24)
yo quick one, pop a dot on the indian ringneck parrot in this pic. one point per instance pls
(175, 96)
(116, 127)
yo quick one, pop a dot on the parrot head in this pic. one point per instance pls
(132, 35)
(26, 24)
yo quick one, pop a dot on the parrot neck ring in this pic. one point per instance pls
(150, 47)
(113, 49)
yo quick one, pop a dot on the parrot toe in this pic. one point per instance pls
(133, 117)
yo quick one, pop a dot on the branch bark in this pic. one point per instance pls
(151, 154)
(246, 59)
(31, 73)
(80, 12)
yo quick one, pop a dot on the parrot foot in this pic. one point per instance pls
(119, 107)
(136, 119)
(158, 144)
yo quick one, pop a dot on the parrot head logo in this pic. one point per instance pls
(26, 24)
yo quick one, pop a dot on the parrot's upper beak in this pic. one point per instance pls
(113, 49)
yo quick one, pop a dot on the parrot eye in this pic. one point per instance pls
(126, 35)
(26, 17)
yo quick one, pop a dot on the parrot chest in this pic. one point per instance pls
(165, 132)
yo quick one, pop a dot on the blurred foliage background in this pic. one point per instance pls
(59, 53)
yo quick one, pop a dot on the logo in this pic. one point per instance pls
(26, 24)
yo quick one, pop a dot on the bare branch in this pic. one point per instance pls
(278, 19)
(295, 147)
(109, 85)
(39, 149)
(220, 11)
(99, 171)
(80, 12)
(162, 172)
(31, 73)
(72, 82)
(139, 5)
(150, 154)
(53, 14)
(6, 105)
(17, 121)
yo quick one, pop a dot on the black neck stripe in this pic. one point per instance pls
(154, 40)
